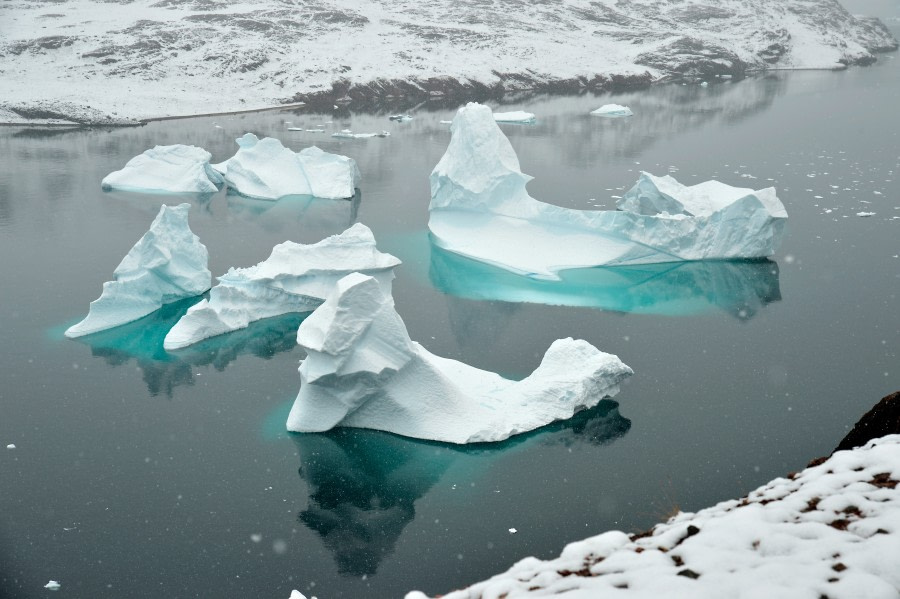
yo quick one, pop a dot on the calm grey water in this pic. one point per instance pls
(139, 473)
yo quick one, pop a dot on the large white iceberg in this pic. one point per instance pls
(362, 370)
(266, 170)
(167, 169)
(168, 263)
(480, 209)
(295, 278)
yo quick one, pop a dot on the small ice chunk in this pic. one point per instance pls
(264, 169)
(362, 370)
(167, 169)
(11, 446)
(704, 83)
(295, 594)
(446, 122)
(513, 531)
(295, 129)
(517, 116)
(864, 214)
(348, 134)
(295, 278)
(256, 537)
(53, 585)
(613, 110)
(167, 264)
(401, 118)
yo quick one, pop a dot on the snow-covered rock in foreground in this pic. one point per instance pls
(613, 110)
(480, 209)
(266, 170)
(362, 370)
(832, 530)
(295, 278)
(517, 116)
(167, 169)
(167, 264)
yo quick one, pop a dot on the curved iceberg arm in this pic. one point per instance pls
(362, 370)
(167, 169)
(168, 263)
(294, 278)
(480, 209)
(266, 170)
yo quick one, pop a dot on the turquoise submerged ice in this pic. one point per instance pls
(167, 169)
(264, 169)
(481, 209)
(167, 264)
(362, 370)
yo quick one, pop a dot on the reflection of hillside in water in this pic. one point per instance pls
(741, 288)
(364, 484)
(142, 341)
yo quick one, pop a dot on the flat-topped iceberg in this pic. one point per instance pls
(167, 264)
(295, 278)
(517, 116)
(613, 110)
(362, 370)
(264, 169)
(480, 209)
(167, 169)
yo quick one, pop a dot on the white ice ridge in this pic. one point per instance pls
(517, 116)
(167, 169)
(362, 370)
(167, 264)
(832, 530)
(295, 278)
(266, 170)
(481, 209)
(613, 110)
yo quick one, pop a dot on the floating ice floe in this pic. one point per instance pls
(348, 134)
(480, 209)
(11, 446)
(53, 585)
(295, 278)
(362, 370)
(517, 116)
(167, 264)
(612, 110)
(167, 169)
(400, 118)
(264, 169)
(831, 530)
(864, 214)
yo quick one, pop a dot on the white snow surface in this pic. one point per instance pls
(167, 264)
(832, 530)
(362, 370)
(80, 61)
(480, 209)
(294, 278)
(613, 110)
(517, 116)
(265, 169)
(167, 169)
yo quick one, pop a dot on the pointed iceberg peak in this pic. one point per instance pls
(480, 209)
(167, 169)
(362, 370)
(265, 169)
(296, 277)
(167, 264)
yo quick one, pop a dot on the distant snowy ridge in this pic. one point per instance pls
(832, 530)
(79, 61)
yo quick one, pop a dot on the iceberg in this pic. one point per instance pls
(266, 170)
(362, 370)
(167, 169)
(514, 117)
(167, 264)
(348, 134)
(480, 209)
(612, 110)
(295, 278)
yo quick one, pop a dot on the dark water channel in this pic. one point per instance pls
(139, 473)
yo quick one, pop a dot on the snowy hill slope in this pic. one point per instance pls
(110, 61)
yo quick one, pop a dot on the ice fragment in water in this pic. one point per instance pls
(53, 585)
(518, 116)
(167, 169)
(613, 110)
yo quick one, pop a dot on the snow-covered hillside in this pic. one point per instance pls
(115, 60)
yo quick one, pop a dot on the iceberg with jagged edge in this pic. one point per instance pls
(480, 209)
(295, 278)
(167, 169)
(613, 110)
(266, 170)
(167, 264)
(362, 370)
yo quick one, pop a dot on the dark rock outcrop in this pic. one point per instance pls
(881, 420)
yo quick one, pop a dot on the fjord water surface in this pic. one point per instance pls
(141, 473)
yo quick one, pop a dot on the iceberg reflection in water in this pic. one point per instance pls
(364, 484)
(142, 341)
(740, 287)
